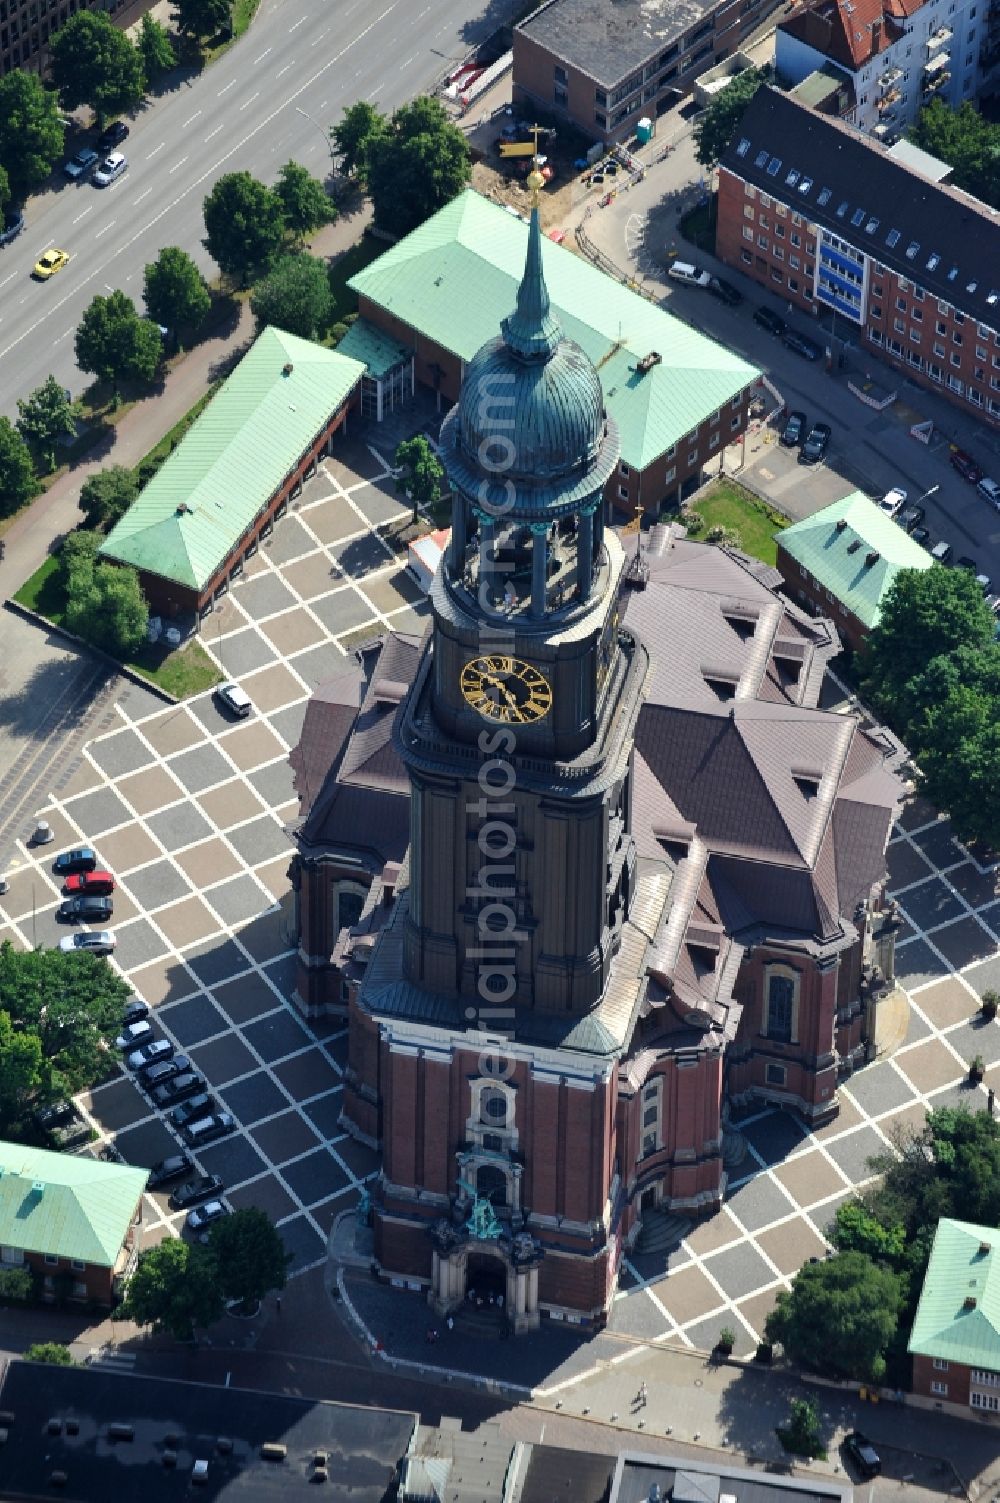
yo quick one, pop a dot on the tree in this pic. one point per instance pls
(31, 133)
(116, 344)
(925, 614)
(250, 1255)
(203, 18)
(94, 63)
(175, 292)
(245, 226)
(855, 1229)
(48, 415)
(417, 167)
(419, 473)
(717, 126)
(18, 481)
(802, 1435)
(72, 1004)
(175, 1288)
(22, 1072)
(967, 141)
(295, 297)
(107, 496)
(839, 1316)
(16, 1283)
(50, 1351)
(354, 137)
(155, 48)
(4, 191)
(304, 201)
(108, 609)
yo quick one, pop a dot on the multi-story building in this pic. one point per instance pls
(955, 1341)
(26, 25)
(833, 221)
(896, 56)
(606, 66)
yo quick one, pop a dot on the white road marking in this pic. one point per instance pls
(177, 165)
(64, 335)
(110, 225)
(190, 119)
(284, 69)
(249, 102)
(8, 279)
(155, 149)
(214, 132)
(144, 194)
(403, 66)
(230, 85)
(83, 215)
(298, 23)
(263, 55)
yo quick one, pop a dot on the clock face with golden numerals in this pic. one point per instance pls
(506, 689)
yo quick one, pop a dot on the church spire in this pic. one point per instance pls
(532, 332)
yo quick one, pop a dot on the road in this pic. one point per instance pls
(248, 111)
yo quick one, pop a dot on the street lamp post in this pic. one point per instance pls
(324, 133)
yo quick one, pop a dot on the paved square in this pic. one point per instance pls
(238, 899)
(150, 789)
(191, 1021)
(180, 826)
(246, 998)
(223, 1059)
(255, 1097)
(285, 1137)
(156, 885)
(279, 1034)
(267, 1194)
(316, 1177)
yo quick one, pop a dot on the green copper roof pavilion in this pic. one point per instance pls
(835, 545)
(66, 1206)
(456, 280)
(958, 1317)
(233, 459)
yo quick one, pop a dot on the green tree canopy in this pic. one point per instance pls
(202, 18)
(717, 126)
(4, 191)
(855, 1229)
(967, 141)
(106, 607)
(296, 296)
(107, 496)
(417, 167)
(52, 1352)
(362, 126)
(116, 344)
(175, 292)
(175, 1289)
(419, 473)
(31, 133)
(155, 48)
(839, 1316)
(250, 1255)
(245, 226)
(46, 416)
(94, 63)
(18, 481)
(23, 1073)
(304, 201)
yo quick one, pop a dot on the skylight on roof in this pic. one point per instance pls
(792, 177)
(871, 226)
(993, 297)
(743, 147)
(971, 286)
(953, 274)
(933, 261)
(760, 159)
(842, 209)
(892, 239)
(824, 195)
(774, 167)
(805, 185)
(857, 217)
(911, 249)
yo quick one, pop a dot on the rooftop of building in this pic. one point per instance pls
(189, 1420)
(855, 550)
(849, 32)
(685, 1481)
(958, 1317)
(456, 278)
(827, 89)
(937, 237)
(226, 468)
(608, 42)
(65, 1205)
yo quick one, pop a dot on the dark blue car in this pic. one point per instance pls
(82, 859)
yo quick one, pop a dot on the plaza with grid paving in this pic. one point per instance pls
(189, 811)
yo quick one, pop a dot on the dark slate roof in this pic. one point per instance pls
(606, 40)
(957, 239)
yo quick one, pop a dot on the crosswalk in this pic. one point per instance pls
(111, 1359)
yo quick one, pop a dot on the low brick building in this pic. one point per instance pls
(73, 1222)
(191, 530)
(842, 560)
(830, 220)
(26, 26)
(955, 1341)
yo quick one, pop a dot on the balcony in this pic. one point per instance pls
(887, 101)
(890, 78)
(938, 38)
(937, 62)
(932, 85)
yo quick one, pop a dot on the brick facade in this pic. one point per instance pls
(26, 26)
(805, 588)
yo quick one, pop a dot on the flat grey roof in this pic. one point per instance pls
(608, 39)
(364, 1445)
(635, 1475)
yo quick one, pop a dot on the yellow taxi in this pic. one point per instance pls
(49, 262)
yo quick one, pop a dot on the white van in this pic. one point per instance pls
(691, 276)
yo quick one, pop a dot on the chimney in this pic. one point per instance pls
(969, 1303)
(841, 524)
(876, 35)
(985, 1248)
(871, 558)
(287, 368)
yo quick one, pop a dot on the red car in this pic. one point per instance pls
(966, 466)
(96, 884)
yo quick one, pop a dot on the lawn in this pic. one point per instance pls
(43, 592)
(728, 505)
(368, 249)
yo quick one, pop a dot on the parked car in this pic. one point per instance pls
(84, 909)
(169, 1169)
(97, 941)
(54, 1114)
(234, 699)
(81, 859)
(193, 1191)
(921, 535)
(807, 348)
(725, 292)
(111, 169)
(863, 1454)
(816, 445)
(910, 517)
(202, 1217)
(794, 430)
(690, 275)
(11, 225)
(893, 501)
(966, 466)
(134, 1011)
(162, 1071)
(184, 1084)
(82, 165)
(134, 1034)
(111, 136)
(769, 321)
(941, 553)
(99, 884)
(148, 1054)
(70, 1133)
(198, 1106)
(990, 491)
(206, 1129)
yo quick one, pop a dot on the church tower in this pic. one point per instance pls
(518, 745)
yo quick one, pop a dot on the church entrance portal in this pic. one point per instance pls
(486, 1279)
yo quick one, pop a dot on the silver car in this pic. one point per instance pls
(111, 169)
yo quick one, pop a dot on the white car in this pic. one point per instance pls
(97, 941)
(202, 1218)
(234, 699)
(893, 501)
(134, 1034)
(111, 169)
(990, 491)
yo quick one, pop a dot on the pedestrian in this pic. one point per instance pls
(641, 1395)
(450, 1323)
(277, 1304)
(990, 1100)
(3, 549)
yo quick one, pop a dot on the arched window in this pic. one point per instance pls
(493, 1108)
(348, 902)
(491, 1185)
(782, 1005)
